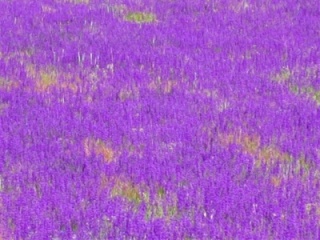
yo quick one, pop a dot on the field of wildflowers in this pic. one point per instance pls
(159, 119)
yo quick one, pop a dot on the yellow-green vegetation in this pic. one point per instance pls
(127, 190)
(119, 8)
(156, 208)
(316, 96)
(18, 55)
(107, 225)
(140, 17)
(44, 78)
(161, 193)
(302, 166)
(283, 76)
(312, 71)
(8, 84)
(47, 79)
(294, 89)
(309, 91)
(269, 156)
(135, 149)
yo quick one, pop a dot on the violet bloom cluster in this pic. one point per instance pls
(159, 119)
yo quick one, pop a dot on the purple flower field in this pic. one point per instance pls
(159, 119)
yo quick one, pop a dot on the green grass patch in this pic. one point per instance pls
(140, 17)
(283, 76)
(308, 91)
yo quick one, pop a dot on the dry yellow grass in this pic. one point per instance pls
(7, 84)
(129, 92)
(162, 85)
(106, 152)
(127, 190)
(98, 147)
(48, 78)
(269, 156)
(276, 181)
(252, 145)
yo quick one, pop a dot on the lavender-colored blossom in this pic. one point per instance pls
(159, 119)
